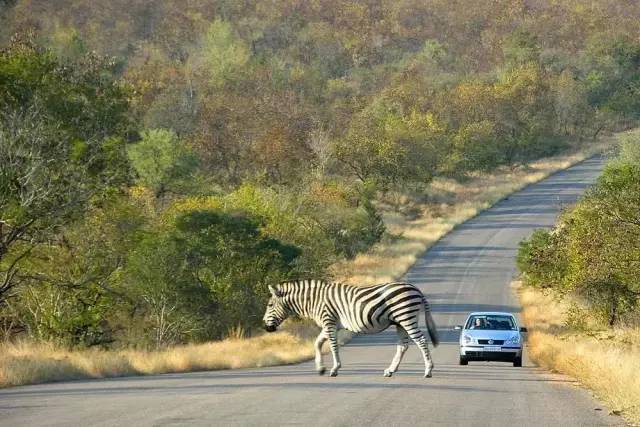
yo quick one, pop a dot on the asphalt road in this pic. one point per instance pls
(470, 269)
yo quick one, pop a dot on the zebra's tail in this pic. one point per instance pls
(431, 325)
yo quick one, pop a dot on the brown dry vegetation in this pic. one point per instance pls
(448, 203)
(29, 363)
(606, 361)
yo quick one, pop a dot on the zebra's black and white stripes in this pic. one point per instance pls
(367, 310)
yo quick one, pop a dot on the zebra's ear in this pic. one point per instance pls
(275, 292)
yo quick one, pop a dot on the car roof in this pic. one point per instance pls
(490, 313)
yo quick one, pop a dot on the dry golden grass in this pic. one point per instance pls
(29, 363)
(449, 203)
(606, 361)
(32, 363)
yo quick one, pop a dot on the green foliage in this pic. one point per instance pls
(630, 147)
(61, 128)
(66, 316)
(342, 216)
(577, 318)
(614, 80)
(542, 260)
(258, 131)
(67, 42)
(593, 252)
(82, 97)
(571, 104)
(327, 221)
(521, 47)
(475, 147)
(72, 285)
(204, 274)
(161, 161)
(391, 148)
(224, 55)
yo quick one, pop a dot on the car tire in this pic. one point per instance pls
(517, 362)
(463, 361)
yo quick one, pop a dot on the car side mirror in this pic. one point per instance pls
(457, 327)
(523, 330)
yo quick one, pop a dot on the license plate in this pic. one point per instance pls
(492, 348)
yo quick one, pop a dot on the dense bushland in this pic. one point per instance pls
(593, 253)
(160, 162)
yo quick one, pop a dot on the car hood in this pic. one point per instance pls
(489, 334)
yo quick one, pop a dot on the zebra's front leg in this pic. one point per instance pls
(322, 337)
(332, 335)
(401, 348)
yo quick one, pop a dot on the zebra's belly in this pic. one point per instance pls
(366, 329)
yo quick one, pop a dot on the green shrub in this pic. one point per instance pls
(205, 273)
(592, 253)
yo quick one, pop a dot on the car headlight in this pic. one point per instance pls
(467, 339)
(514, 339)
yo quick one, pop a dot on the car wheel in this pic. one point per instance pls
(463, 360)
(517, 362)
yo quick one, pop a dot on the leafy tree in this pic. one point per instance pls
(84, 97)
(206, 275)
(71, 286)
(614, 78)
(60, 141)
(475, 147)
(161, 161)
(389, 148)
(224, 55)
(571, 104)
(594, 252)
(543, 260)
(521, 47)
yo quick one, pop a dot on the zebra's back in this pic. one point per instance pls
(374, 308)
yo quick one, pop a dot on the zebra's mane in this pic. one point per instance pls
(291, 285)
(304, 282)
(297, 283)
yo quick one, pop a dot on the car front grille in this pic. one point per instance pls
(493, 342)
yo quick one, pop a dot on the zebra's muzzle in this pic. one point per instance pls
(270, 328)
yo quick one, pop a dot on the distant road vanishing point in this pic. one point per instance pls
(469, 269)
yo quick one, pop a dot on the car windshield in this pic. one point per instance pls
(492, 322)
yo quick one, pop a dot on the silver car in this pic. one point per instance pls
(491, 336)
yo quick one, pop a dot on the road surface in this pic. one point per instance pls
(469, 269)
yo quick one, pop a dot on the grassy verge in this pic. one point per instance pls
(605, 361)
(30, 363)
(446, 204)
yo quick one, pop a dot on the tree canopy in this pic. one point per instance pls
(160, 161)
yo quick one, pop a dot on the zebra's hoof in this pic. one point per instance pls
(387, 373)
(428, 375)
(333, 373)
(322, 371)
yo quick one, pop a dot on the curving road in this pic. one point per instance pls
(469, 269)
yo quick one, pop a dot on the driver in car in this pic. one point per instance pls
(479, 323)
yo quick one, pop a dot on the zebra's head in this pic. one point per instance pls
(276, 311)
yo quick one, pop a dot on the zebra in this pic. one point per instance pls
(368, 310)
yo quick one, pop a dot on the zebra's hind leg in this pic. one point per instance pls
(322, 337)
(401, 348)
(417, 337)
(332, 334)
(426, 354)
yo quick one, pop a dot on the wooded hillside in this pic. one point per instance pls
(162, 161)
